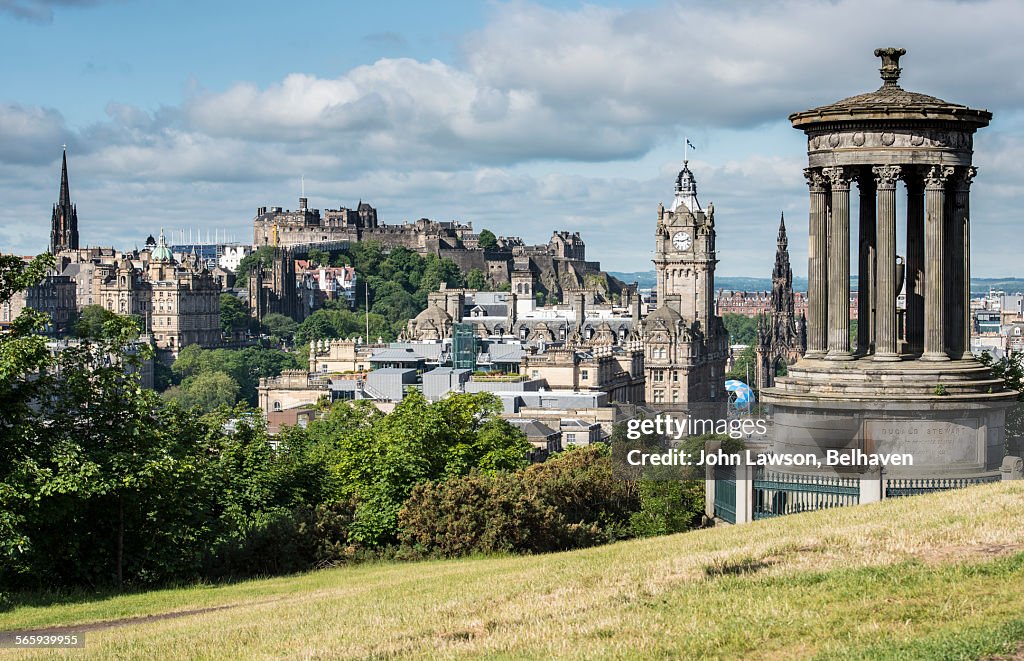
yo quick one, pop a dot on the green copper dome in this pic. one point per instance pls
(161, 253)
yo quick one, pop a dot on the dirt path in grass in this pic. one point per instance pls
(130, 621)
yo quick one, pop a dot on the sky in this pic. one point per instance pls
(520, 117)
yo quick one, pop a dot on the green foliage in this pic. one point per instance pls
(668, 506)
(398, 284)
(319, 257)
(23, 354)
(97, 323)
(328, 324)
(234, 315)
(487, 240)
(742, 329)
(571, 501)
(1011, 370)
(378, 459)
(207, 391)
(244, 366)
(280, 327)
(477, 280)
(263, 255)
(745, 367)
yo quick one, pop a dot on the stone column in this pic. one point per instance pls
(962, 225)
(817, 266)
(885, 294)
(866, 265)
(839, 266)
(934, 299)
(915, 261)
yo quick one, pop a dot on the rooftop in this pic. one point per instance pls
(890, 101)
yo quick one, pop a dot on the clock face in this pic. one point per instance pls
(682, 241)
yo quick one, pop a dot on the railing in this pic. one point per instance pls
(898, 487)
(777, 494)
(725, 493)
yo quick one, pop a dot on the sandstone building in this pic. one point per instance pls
(685, 341)
(179, 302)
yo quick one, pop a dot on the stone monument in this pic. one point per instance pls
(909, 382)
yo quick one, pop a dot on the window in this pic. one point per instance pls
(277, 406)
(570, 438)
(675, 375)
(584, 374)
(535, 373)
(659, 396)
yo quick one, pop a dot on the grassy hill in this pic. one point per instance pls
(929, 577)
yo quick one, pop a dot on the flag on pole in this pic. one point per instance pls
(690, 144)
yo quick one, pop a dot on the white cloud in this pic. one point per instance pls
(502, 135)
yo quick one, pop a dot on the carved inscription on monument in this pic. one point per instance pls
(931, 442)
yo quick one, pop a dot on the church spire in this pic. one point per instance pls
(782, 274)
(64, 222)
(65, 191)
(783, 240)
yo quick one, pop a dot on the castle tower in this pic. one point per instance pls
(64, 222)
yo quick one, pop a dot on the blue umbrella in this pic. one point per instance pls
(740, 393)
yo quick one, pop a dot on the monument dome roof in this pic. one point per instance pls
(891, 102)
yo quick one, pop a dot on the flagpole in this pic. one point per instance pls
(686, 150)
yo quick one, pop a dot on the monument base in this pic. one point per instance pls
(948, 417)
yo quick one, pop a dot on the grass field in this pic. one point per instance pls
(929, 577)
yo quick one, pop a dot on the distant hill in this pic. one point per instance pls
(979, 286)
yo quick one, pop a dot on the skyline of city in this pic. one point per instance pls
(430, 116)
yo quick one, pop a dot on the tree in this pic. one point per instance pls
(245, 367)
(98, 447)
(741, 328)
(90, 321)
(477, 280)
(94, 322)
(745, 367)
(318, 257)
(378, 460)
(263, 255)
(668, 506)
(23, 354)
(207, 390)
(234, 315)
(280, 327)
(1011, 370)
(487, 240)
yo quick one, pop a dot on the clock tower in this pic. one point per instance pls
(686, 342)
(684, 252)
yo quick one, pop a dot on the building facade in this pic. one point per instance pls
(179, 302)
(685, 340)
